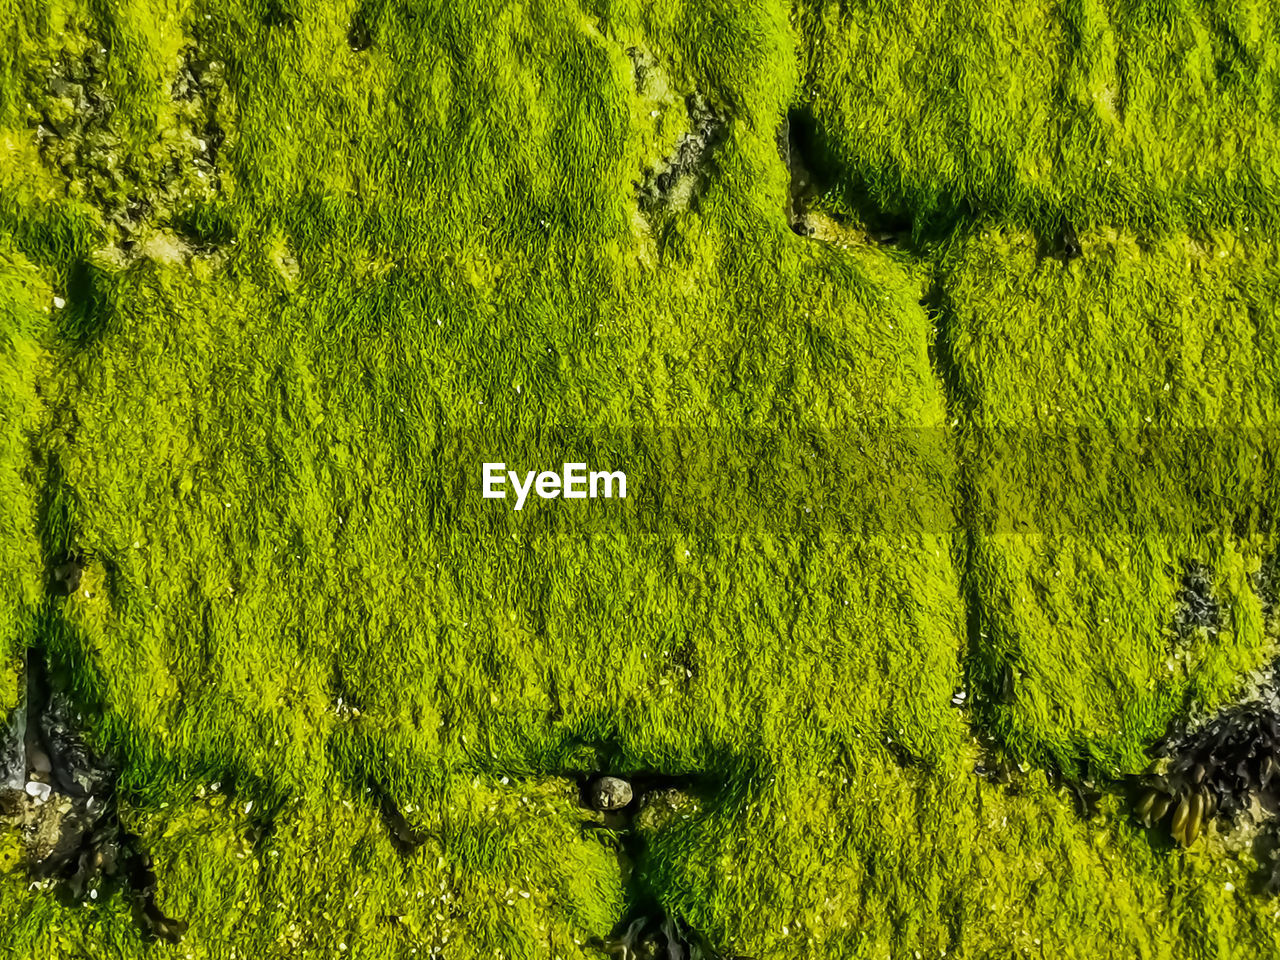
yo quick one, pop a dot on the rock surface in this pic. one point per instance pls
(61, 795)
(675, 180)
(610, 793)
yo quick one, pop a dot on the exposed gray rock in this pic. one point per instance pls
(73, 119)
(66, 806)
(66, 576)
(676, 179)
(609, 793)
(13, 745)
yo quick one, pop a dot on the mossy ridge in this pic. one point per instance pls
(1097, 110)
(1120, 426)
(25, 305)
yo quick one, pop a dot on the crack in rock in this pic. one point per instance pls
(61, 795)
(676, 180)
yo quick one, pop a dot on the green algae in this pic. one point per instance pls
(253, 415)
(22, 339)
(1118, 417)
(1100, 110)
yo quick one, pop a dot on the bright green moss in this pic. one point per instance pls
(1144, 114)
(270, 391)
(25, 303)
(1119, 428)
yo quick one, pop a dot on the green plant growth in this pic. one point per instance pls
(277, 277)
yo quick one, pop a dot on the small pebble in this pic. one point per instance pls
(610, 793)
(39, 761)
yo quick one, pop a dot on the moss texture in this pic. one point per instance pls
(313, 262)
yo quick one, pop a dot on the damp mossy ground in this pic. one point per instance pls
(299, 268)
(1149, 114)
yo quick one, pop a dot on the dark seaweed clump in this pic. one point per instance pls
(1197, 607)
(1217, 770)
(660, 936)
